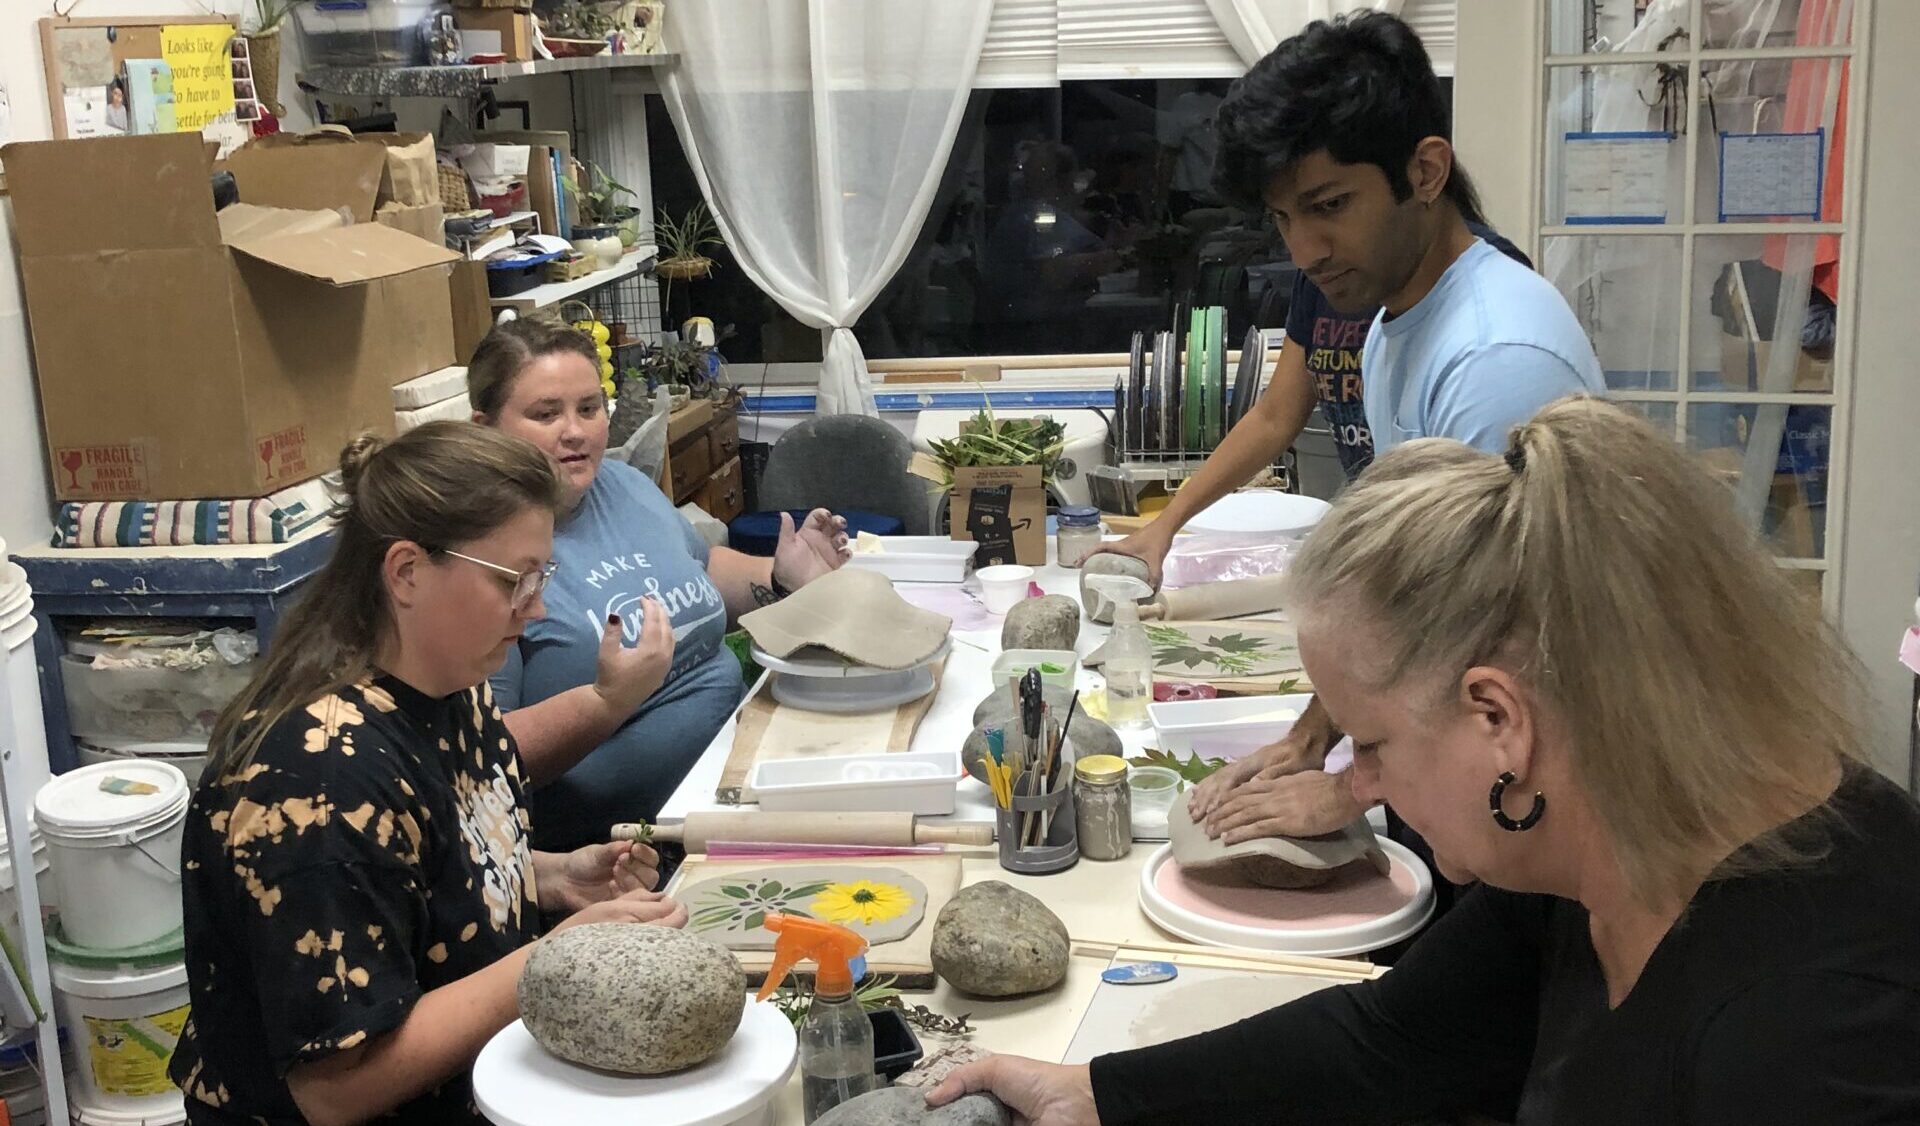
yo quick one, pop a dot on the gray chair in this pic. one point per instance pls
(846, 461)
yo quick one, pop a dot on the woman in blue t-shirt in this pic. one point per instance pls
(610, 719)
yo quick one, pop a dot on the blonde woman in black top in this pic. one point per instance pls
(1577, 674)
(360, 888)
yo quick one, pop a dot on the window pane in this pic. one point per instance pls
(1784, 492)
(1768, 142)
(1747, 24)
(1576, 27)
(1763, 313)
(1611, 156)
(1625, 289)
(1661, 415)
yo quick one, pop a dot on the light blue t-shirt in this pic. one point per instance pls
(623, 543)
(1491, 344)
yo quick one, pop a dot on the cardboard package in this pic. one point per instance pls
(427, 222)
(185, 353)
(482, 28)
(1003, 508)
(472, 310)
(1744, 365)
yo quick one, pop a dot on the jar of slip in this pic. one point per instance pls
(1078, 535)
(1103, 807)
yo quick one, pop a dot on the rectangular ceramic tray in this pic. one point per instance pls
(920, 782)
(1219, 728)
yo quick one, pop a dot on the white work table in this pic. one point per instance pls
(1097, 901)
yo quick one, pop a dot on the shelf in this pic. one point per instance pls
(552, 293)
(456, 81)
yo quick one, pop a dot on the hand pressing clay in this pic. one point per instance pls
(906, 1106)
(1274, 862)
(1052, 622)
(630, 998)
(994, 940)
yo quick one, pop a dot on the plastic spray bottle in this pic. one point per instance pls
(836, 1039)
(1129, 657)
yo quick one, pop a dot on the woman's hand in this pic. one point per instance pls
(638, 906)
(1277, 803)
(815, 548)
(1042, 1094)
(624, 677)
(1146, 545)
(597, 873)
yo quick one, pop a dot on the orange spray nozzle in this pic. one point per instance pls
(837, 951)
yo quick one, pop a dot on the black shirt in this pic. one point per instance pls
(375, 849)
(1333, 341)
(1789, 997)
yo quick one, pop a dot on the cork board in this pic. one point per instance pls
(84, 53)
(766, 729)
(909, 959)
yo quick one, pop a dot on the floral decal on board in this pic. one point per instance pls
(862, 902)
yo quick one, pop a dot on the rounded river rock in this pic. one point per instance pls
(1088, 735)
(1052, 622)
(907, 1106)
(626, 997)
(994, 940)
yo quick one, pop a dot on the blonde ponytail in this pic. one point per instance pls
(1703, 693)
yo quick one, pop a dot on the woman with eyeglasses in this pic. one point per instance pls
(614, 695)
(360, 888)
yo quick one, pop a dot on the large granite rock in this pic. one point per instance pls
(994, 940)
(625, 997)
(1052, 622)
(907, 1106)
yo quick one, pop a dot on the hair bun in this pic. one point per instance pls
(354, 459)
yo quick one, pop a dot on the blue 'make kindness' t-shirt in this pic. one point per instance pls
(623, 543)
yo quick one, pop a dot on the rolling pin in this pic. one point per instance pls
(804, 828)
(1213, 602)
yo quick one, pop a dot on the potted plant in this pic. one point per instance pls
(262, 34)
(694, 367)
(683, 243)
(606, 227)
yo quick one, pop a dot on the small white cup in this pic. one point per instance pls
(1002, 587)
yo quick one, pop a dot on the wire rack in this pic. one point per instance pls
(632, 303)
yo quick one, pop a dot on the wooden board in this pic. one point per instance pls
(766, 729)
(1208, 993)
(909, 959)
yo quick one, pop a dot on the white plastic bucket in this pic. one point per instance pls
(21, 679)
(116, 857)
(124, 1019)
(190, 757)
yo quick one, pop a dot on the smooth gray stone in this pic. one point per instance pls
(1088, 735)
(1099, 606)
(631, 998)
(907, 1106)
(994, 940)
(1052, 622)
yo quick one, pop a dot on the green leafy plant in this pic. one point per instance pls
(1192, 772)
(596, 197)
(268, 15)
(748, 904)
(794, 999)
(985, 440)
(687, 238)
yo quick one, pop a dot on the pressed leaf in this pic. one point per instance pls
(734, 890)
(753, 921)
(770, 890)
(806, 890)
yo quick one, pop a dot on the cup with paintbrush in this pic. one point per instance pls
(1030, 775)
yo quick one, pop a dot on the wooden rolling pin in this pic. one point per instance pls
(804, 828)
(1213, 602)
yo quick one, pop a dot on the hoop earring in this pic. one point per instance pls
(1500, 817)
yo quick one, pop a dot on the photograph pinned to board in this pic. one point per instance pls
(109, 76)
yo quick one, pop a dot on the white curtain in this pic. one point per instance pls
(1255, 27)
(819, 130)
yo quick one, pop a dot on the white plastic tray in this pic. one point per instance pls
(920, 559)
(910, 782)
(1328, 942)
(1187, 725)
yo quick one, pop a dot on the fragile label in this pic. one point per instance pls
(86, 472)
(283, 456)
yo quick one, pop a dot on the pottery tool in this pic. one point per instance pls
(1032, 726)
(700, 829)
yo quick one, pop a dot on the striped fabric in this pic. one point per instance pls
(168, 523)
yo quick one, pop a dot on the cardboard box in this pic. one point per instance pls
(1003, 508)
(472, 311)
(428, 223)
(1743, 365)
(185, 353)
(513, 28)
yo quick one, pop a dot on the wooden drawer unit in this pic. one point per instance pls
(723, 439)
(725, 496)
(691, 465)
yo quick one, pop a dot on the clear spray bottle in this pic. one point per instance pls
(836, 1038)
(1129, 656)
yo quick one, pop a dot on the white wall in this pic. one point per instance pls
(25, 493)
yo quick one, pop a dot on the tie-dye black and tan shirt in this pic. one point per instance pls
(375, 849)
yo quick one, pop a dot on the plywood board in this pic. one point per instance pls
(909, 959)
(766, 729)
(1202, 998)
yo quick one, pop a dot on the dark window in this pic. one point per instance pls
(1068, 219)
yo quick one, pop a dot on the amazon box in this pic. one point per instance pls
(182, 352)
(1003, 510)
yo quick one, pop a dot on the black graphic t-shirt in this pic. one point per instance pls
(1333, 342)
(375, 849)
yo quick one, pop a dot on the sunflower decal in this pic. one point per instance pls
(864, 902)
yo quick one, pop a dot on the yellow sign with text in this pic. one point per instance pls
(202, 72)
